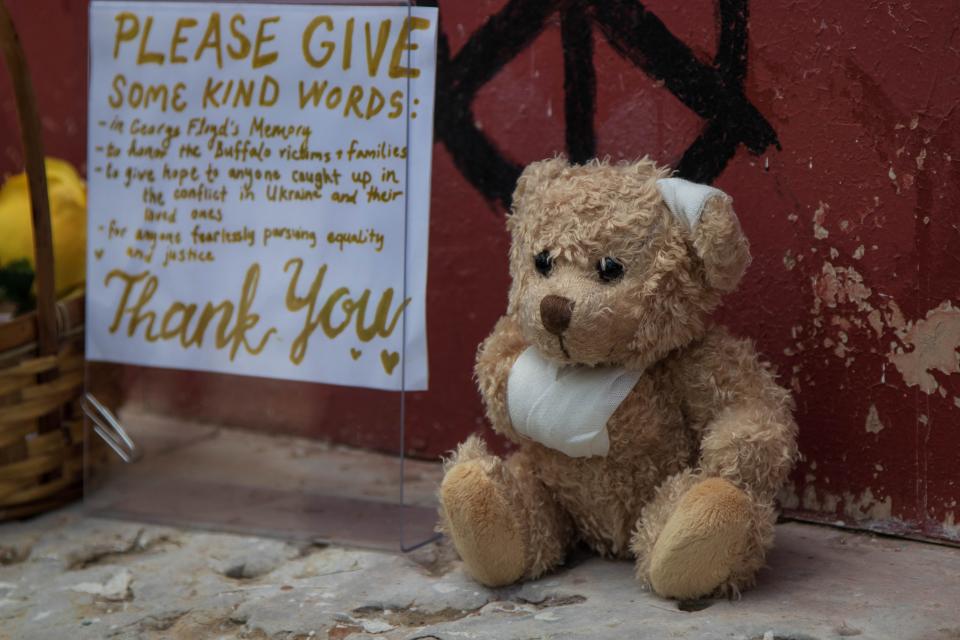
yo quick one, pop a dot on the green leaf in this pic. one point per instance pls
(16, 285)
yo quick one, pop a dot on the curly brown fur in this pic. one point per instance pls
(704, 440)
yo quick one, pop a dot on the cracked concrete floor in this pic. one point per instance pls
(71, 575)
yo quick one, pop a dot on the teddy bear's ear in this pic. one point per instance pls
(534, 174)
(714, 229)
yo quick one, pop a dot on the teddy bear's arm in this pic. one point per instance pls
(495, 358)
(748, 434)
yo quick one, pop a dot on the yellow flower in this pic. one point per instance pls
(68, 218)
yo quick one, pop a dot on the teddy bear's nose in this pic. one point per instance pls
(555, 312)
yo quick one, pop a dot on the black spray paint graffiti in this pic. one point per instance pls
(712, 91)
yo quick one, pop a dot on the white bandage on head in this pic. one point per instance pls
(686, 199)
(566, 408)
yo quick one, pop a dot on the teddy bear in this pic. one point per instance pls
(641, 428)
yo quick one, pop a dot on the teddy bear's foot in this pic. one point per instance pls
(702, 542)
(483, 524)
(503, 522)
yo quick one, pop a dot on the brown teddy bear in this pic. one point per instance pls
(642, 429)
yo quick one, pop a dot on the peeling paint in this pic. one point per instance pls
(894, 318)
(873, 424)
(837, 285)
(935, 340)
(893, 178)
(789, 261)
(921, 347)
(819, 231)
(843, 323)
(867, 507)
(876, 369)
(951, 527)
(876, 321)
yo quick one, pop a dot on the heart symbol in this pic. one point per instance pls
(389, 360)
(98, 253)
(355, 353)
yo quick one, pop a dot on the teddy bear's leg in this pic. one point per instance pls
(501, 518)
(701, 536)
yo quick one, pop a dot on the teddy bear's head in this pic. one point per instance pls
(617, 264)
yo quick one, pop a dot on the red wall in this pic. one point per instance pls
(849, 192)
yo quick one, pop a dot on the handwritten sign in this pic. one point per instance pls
(259, 189)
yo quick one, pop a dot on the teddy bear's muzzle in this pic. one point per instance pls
(555, 313)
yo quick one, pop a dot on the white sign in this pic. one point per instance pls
(259, 189)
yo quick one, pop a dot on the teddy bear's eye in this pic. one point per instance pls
(543, 262)
(609, 269)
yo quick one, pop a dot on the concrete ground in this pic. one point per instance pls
(70, 574)
(67, 575)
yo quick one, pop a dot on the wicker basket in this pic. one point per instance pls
(41, 353)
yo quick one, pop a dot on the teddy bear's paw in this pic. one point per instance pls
(482, 524)
(702, 542)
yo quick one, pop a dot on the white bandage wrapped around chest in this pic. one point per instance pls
(566, 408)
